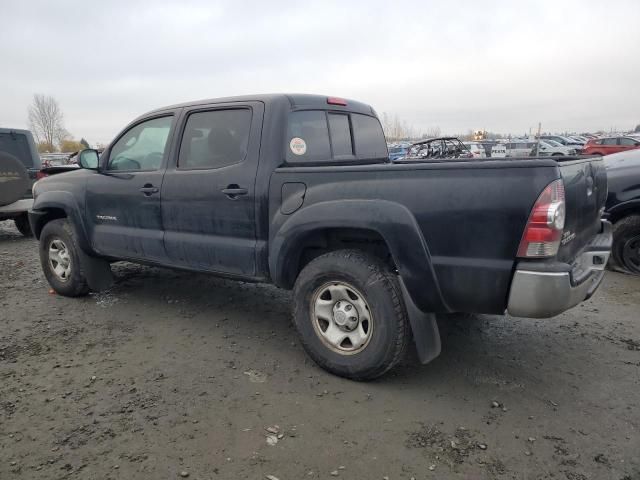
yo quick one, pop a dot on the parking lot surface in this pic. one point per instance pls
(172, 374)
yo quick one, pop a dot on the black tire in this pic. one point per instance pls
(75, 284)
(369, 277)
(626, 244)
(23, 226)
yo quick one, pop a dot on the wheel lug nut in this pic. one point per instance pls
(348, 307)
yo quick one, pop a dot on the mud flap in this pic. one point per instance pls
(97, 272)
(424, 327)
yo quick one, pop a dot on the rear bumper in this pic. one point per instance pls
(537, 292)
(16, 208)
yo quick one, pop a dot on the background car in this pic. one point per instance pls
(476, 149)
(552, 148)
(623, 208)
(499, 150)
(519, 147)
(566, 141)
(609, 145)
(396, 152)
(439, 147)
(578, 139)
(19, 170)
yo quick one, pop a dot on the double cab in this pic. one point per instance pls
(298, 191)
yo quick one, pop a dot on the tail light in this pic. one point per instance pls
(40, 174)
(543, 232)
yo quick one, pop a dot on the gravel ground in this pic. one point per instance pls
(174, 374)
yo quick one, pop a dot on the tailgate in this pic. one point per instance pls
(585, 185)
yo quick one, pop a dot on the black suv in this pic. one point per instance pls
(623, 208)
(19, 167)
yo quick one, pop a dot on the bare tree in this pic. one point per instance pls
(396, 129)
(46, 120)
(432, 132)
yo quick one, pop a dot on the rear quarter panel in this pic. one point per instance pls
(471, 216)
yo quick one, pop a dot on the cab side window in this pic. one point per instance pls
(142, 147)
(308, 137)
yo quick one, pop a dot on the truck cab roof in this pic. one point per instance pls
(294, 101)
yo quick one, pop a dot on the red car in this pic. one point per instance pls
(607, 145)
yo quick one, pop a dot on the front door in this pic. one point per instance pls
(208, 193)
(123, 201)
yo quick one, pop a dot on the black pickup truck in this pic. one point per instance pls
(297, 190)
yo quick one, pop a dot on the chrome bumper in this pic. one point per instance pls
(20, 206)
(544, 294)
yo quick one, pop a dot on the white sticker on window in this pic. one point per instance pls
(298, 146)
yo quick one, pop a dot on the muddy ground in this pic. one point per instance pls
(172, 374)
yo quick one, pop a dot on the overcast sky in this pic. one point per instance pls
(458, 65)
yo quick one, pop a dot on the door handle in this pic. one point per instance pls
(233, 191)
(149, 189)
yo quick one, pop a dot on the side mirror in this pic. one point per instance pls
(89, 159)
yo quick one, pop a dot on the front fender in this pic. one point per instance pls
(623, 207)
(59, 200)
(392, 221)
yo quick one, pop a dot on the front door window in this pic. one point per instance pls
(142, 147)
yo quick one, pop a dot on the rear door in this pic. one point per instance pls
(208, 193)
(627, 143)
(123, 200)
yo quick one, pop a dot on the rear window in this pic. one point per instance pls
(368, 137)
(315, 136)
(16, 144)
(627, 141)
(340, 134)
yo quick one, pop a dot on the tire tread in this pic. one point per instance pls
(379, 273)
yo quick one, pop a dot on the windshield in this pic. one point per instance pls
(551, 143)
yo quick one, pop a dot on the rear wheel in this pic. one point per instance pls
(349, 312)
(60, 259)
(22, 224)
(626, 243)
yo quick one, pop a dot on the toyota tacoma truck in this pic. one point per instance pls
(298, 191)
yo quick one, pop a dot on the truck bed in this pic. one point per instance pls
(471, 215)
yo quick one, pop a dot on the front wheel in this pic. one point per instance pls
(350, 315)
(626, 243)
(60, 259)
